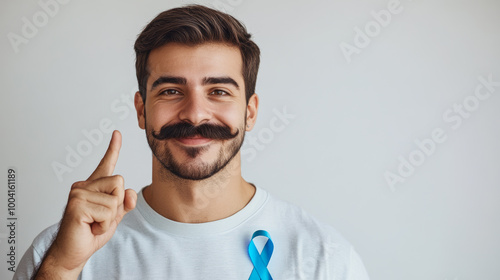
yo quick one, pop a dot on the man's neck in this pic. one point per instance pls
(189, 201)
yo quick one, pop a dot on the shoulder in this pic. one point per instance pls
(317, 250)
(34, 254)
(44, 239)
(302, 224)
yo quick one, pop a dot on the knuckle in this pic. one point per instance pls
(75, 204)
(114, 203)
(112, 214)
(108, 216)
(78, 184)
(119, 180)
(76, 193)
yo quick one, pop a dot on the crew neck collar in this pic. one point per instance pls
(198, 229)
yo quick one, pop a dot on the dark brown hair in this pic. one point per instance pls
(194, 25)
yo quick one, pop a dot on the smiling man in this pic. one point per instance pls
(198, 219)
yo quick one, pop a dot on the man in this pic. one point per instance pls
(198, 219)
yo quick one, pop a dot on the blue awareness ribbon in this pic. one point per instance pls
(260, 261)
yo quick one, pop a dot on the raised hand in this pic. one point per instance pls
(94, 210)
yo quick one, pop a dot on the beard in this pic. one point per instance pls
(194, 169)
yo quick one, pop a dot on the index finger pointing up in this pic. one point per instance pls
(107, 165)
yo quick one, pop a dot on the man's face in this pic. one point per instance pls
(195, 110)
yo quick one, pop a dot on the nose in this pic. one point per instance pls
(195, 109)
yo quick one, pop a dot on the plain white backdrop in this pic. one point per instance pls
(351, 93)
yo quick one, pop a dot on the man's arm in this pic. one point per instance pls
(94, 210)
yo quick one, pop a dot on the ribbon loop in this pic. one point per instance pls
(260, 261)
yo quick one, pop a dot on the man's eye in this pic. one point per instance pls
(170, 92)
(218, 92)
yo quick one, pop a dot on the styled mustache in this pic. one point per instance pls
(186, 130)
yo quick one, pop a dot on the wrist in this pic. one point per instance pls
(52, 268)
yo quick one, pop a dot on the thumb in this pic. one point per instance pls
(130, 200)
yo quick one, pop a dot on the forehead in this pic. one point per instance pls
(195, 62)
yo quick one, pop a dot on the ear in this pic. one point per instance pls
(139, 107)
(252, 108)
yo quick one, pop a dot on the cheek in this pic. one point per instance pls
(231, 115)
(158, 116)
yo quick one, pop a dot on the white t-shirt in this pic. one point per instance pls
(146, 245)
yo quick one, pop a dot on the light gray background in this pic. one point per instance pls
(352, 121)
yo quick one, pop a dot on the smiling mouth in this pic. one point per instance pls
(195, 140)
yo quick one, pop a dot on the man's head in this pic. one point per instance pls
(194, 102)
(194, 25)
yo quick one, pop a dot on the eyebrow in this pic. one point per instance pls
(183, 81)
(220, 80)
(168, 80)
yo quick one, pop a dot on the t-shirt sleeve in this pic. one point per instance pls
(357, 269)
(34, 255)
(27, 265)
